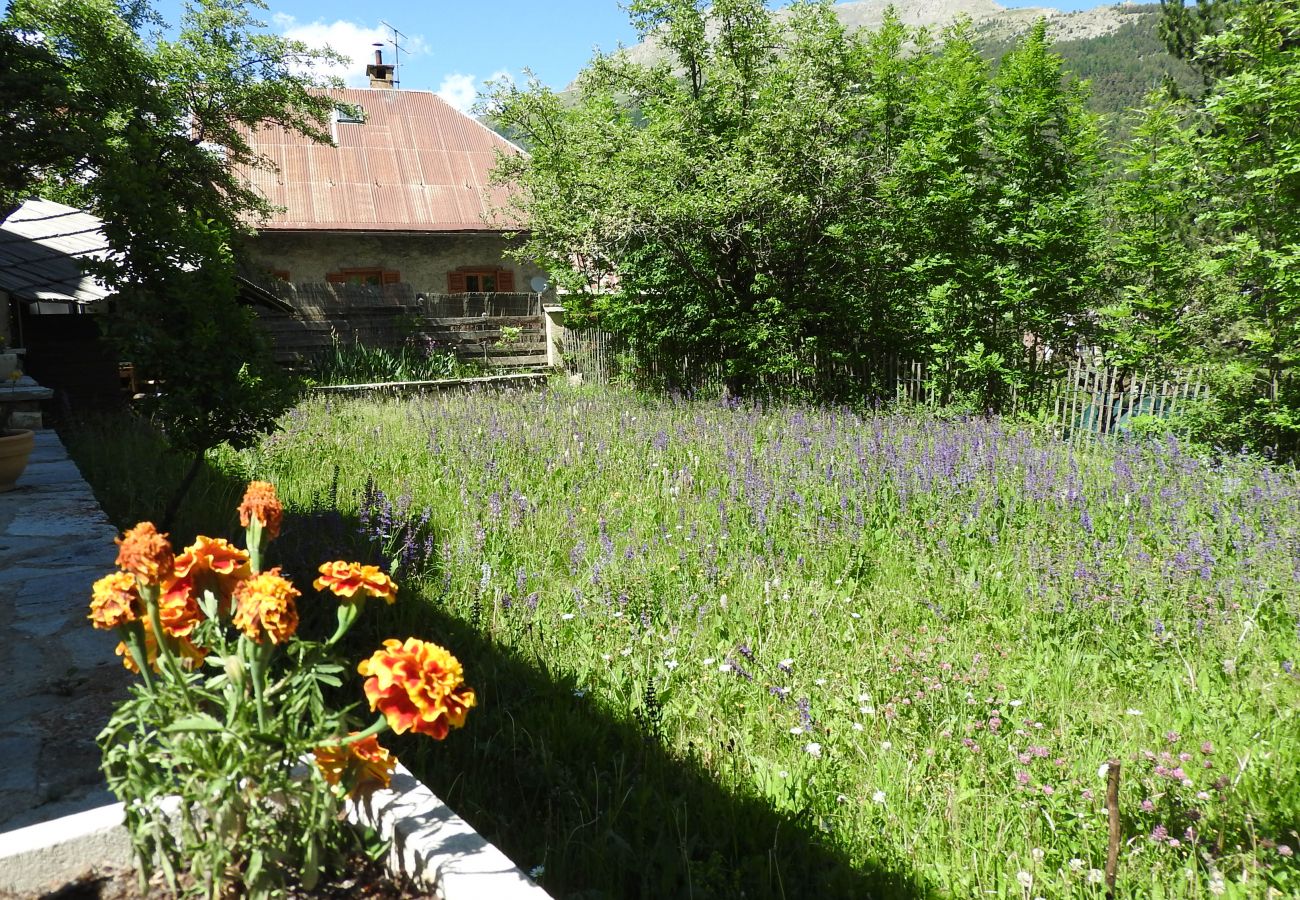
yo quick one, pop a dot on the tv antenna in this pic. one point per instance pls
(395, 40)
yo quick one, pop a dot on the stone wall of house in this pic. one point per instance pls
(422, 260)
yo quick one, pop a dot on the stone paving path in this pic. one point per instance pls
(58, 676)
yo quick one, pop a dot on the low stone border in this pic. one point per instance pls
(430, 844)
(437, 847)
(45, 855)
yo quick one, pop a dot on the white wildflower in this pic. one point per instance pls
(1096, 876)
(1076, 864)
(567, 616)
(878, 797)
(813, 749)
(798, 729)
(1026, 880)
(1038, 854)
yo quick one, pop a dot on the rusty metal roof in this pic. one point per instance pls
(415, 164)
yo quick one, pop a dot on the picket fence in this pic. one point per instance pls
(1086, 400)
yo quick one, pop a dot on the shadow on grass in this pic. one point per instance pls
(556, 781)
(547, 775)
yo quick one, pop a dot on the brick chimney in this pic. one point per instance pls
(380, 72)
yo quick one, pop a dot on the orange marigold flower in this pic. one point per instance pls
(214, 564)
(346, 579)
(363, 764)
(264, 604)
(261, 503)
(418, 687)
(114, 601)
(178, 610)
(216, 555)
(145, 553)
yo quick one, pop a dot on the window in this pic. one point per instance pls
(349, 115)
(480, 281)
(375, 277)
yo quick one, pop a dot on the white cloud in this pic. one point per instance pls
(351, 39)
(461, 90)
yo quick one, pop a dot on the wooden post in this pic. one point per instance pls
(1112, 809)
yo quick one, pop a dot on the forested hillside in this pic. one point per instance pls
(1122, 66)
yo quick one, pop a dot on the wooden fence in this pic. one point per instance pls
(501, 331)
(1087, 399)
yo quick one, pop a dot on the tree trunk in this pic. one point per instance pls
(174, 504)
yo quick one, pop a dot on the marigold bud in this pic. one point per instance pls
(145, 553)
(260, 503)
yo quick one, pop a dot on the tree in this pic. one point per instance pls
(1182, 28)
(997, 189)
(150, 135)
(1157, 317)
(1250, 148)
(710, 185)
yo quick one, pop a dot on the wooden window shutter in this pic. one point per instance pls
(505, 281)
(390, 278)
(455, 282)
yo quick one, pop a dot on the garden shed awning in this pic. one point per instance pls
(44, 248)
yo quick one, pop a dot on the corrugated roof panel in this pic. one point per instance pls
(324, 161)
(43, 248)
(415, 164)
(353, 167)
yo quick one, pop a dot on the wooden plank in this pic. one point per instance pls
(482, 320)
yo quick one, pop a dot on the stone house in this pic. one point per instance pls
(403, 195)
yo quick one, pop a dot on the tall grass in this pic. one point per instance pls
(729, 649)
(419, 359)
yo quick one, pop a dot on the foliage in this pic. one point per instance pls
(1182, 28)
(1003, 175)
(417, 359)
(1158, 317)
(1208, 225)
(782, 192)
(148, 134)
(892, 584)
(207, 751)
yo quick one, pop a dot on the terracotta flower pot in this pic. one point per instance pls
(15, 447)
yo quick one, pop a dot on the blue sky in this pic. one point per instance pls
(453, 46)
